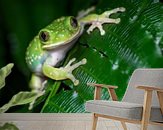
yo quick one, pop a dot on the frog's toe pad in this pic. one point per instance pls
(84, 61)
(76, 82)
(117, 20)
(122, 9)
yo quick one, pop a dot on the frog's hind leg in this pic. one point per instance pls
(37, 85)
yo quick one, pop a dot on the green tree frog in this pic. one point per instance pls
(49, 47)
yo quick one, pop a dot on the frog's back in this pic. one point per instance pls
(35, 56)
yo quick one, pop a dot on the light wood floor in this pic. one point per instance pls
(33, 121)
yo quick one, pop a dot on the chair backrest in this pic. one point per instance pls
(147, 77)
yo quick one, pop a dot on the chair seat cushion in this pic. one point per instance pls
(125, 110)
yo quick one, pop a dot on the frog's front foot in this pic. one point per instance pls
(69, 68)
(104, 18)
(63, 72)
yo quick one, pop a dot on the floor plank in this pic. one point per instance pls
(57, 121)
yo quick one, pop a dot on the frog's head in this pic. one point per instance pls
(60, 32)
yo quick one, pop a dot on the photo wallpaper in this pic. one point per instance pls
(36, 44)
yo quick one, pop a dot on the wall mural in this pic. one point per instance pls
(135, 42)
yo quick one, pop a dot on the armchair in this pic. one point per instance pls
(142, 103)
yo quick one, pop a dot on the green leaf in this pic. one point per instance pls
(19, 99)
(8, 126)
(4, 72)
(63, 103)
(134, 43)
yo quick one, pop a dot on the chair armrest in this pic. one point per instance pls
(150, 88)
(98, 89)
(102, 85)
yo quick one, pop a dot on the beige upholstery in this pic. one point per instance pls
(125, 110)
(143, 77)
(131, 107)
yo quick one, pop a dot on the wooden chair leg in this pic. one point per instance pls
(146, 110)
(94, 122)
(160, 98)
(124, 125)
(144, 126)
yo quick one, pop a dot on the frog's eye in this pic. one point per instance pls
(73, 22)
(44, 36)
